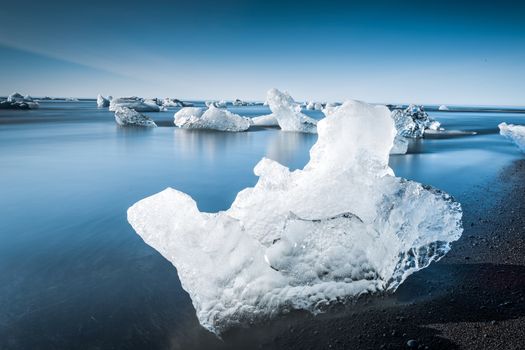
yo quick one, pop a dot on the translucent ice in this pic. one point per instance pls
(213, 119)
(288, 112)
(102, 101)
(135, 103)
(265, 120)
(341, 227)
(412, 121)
(129, 117)
(515, 133)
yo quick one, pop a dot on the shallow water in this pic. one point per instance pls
(72, 271)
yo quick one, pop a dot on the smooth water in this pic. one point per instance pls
(73, 273)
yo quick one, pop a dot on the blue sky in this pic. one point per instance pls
(448, 52)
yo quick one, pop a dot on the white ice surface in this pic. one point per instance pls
(129, 117)
(341, 227)
(515, 133)
(443, 108)
(135, 103)
(102, 101)
(18, 99)
(288, 112)
(212, 119)
(265, 120)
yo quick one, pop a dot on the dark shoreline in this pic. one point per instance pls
(474, 298)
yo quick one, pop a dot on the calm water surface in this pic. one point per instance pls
(73, 273)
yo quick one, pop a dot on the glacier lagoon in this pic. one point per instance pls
(71, 264)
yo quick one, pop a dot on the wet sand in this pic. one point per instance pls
(474, 298)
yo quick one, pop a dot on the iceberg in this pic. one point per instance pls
(443, 108)
(265, 120)
(102, 101)
(135, 103)
(516, 133)
(17, 101)
(213, 118)
(341, 227)
(125, 116)
(216, 104)
(412, 121)
(288, 113)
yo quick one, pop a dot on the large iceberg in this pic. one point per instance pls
(17, 101)
(515, 133)
(412, 121)
(102, 101)
(125, 116)
(288, 113)
(212, 119)
(135, 103)
(341, 227)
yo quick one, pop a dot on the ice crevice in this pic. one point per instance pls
(342, 226)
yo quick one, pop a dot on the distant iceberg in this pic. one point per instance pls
(212, 119)
(515, 133)
(17, 101)
(288, 113)
(102, 101)
(125, 116)
(135, 103)
(443, 108)
(341, 227)
(412, 121)
(216, 104)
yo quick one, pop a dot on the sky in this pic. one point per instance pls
(450, 52)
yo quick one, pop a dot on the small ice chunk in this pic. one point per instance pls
(341, 227)
(443, 108)
(288, 112)
(17, 101)
(515, 133)
(412, 121)
(213, 119)
(265, 120)
(135, 103)
(125, 116)
(102, 101)
(400, 145)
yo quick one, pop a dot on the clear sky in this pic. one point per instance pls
(450, 52)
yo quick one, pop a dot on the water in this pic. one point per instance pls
(73, 272)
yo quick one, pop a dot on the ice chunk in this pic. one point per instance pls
(125, 116)
(216, 104)
(400, 145)
(515, 133)
(213, 119)
(443, 108)
(288, 113)
(102, 101)
(265, 120)
(17, 101)
(135, 103)
(412, 121)
(341, 227)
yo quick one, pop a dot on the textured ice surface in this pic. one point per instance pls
(341, 227)
(265, 120)
(515, 133)
(213, 119)
(129, 117)
(443, 108)
(102, 101)
(288, 112)
(400, 145)
(135, 103)
(412, 121)
(17, 101)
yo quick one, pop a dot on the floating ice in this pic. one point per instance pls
(17, 101)
(129, 117)
(288, 112)
(400, 145)
(102, 101)
(216, 104)
(135, 103)
(443, 108)
(265, 120)
(412, 121)
(213, 119)
(341, 227)
(515, 133)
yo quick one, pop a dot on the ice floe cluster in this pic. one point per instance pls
(341, 227)
(125, 116)
(213, 118)
(516, 133)
(413, 121)
(17, 101)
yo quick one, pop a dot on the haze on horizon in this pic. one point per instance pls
(451, 52)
